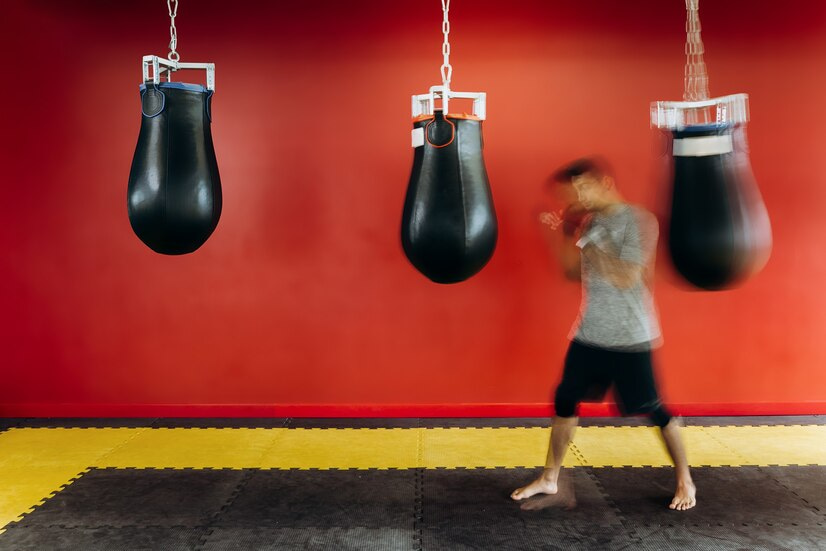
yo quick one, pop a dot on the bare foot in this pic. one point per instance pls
(565, 498)
(539, 486)
(684, 497)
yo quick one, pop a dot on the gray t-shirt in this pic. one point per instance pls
(610, 317)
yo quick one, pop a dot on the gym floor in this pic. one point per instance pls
(404, 484)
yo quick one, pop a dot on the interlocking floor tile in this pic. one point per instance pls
(159, 448)
(731, 496)
(808, 482)
(291, 539)
(472, 509)
(100, 539)
(131, 497)
(731, 538)
(520, 538)
(323, 499)
(342, 448)
(59, 447)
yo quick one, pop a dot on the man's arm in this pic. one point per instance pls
(570, 258)
(564, 245)
(623, 265)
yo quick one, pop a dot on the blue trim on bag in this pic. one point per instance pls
(706, 127)
(178, 86)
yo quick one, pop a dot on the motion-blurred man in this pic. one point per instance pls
(610, 246)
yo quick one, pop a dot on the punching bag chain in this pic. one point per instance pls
(173, 31)
(447, 70)
(696, 77)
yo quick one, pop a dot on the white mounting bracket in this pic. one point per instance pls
(676, 115)
(425, 104)
(162, 66)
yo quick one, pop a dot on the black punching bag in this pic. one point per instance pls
(174, 194)
(448, 225)
(719, 230)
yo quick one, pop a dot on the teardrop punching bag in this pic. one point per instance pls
(448, 223)
(449, 228)
(719, 231)
(174, 192)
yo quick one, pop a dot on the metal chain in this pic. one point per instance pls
(447, 70)
(696, 76)
(173, 31)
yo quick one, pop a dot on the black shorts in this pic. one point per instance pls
(590, 371)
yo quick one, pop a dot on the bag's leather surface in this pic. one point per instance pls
(449, 228)
(174, 193)
(719, 231)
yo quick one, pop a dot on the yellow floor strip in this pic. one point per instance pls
(777, 445)
(191, 448)
(486, 448)
(35, 463)
(343, 449)
(621, 447)
(22, 488)
(60, 447)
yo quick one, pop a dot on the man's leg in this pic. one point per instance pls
(638, 393)
(685, 496)
(561, 435)
(581, 373)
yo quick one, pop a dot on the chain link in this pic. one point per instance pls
(696, 76)
(447, 70)
(173, 31)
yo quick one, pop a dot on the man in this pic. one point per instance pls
(610, 246)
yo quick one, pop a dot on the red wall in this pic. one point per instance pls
(303, 299)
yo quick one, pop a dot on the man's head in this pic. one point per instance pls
(591, 180)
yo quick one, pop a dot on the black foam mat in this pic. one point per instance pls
(139, 497)
(132, 538)
(596, 508)
(807, 482)
(733, 496)
(731, 538)
(322, 499)
(472, 509)
(331, 538)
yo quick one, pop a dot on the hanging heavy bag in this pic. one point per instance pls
(448, 222)
(719, 232)
(705, 222)
(449, 226)
(174, 193)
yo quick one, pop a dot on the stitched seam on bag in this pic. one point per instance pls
(166, 176)
(462, 188)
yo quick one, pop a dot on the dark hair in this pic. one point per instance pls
(588, 165)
